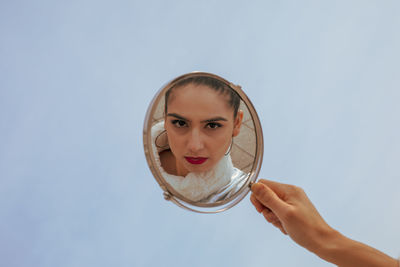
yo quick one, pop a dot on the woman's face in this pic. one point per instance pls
(200, 126)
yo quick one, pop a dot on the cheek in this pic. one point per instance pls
(173, 140)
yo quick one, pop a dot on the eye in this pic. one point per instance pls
(179, 123)
(213, 125)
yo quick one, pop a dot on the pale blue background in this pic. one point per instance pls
(75, 81)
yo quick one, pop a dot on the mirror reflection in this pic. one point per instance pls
(203, 139)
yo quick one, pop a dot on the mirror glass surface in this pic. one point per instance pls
(203, 142)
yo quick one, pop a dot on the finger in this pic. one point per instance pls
(271, 218)
(279, 188)
(269, 215)
(282, 229)
(268, 198)
(257, 204)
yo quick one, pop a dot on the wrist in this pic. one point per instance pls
(327, 241)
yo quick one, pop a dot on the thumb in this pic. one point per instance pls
(268, 198)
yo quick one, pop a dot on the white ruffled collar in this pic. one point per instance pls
(194, 186)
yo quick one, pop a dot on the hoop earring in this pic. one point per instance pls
(156, 140)
(230, 148)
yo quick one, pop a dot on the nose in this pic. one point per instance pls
(195, 142)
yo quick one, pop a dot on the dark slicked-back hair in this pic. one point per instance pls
(213, 83)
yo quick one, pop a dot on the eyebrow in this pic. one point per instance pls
(208, 120)
(177, 116)
(215, 119)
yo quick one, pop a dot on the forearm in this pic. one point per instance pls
(288, 208)
(345, 252)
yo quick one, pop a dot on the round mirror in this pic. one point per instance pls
(203, 142)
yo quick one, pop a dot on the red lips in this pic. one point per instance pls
(196, 160)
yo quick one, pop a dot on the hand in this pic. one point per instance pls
(288, 208)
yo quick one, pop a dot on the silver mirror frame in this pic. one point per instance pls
(169, 193)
